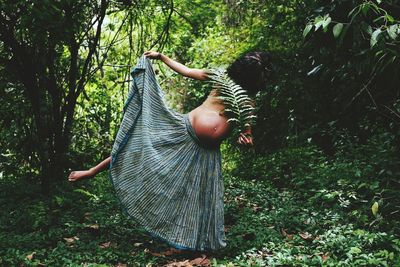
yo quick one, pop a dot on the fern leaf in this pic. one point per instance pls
(235, 98)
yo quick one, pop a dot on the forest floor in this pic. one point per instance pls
(81, 224)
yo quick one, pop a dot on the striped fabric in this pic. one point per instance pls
(164, 178)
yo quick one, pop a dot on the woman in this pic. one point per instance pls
(166, 166)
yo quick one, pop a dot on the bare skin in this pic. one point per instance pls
(77, 175)
(208, 120)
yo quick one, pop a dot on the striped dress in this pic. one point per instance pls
(164, 178)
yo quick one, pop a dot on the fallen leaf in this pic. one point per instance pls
(172, 251)
(30, 256)
(201, 261)
(156, 254)
(70, 240)
(137, 244)
(285, 234)
(108, 245)
(94, 226)
(306, 236)
(185, 263)
(325, 257)
(87, 215)
(105, 245)
(256, 208)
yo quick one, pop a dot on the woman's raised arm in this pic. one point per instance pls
(196, 74)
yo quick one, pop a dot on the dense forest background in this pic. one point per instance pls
(319, 188)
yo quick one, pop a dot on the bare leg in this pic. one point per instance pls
(77, 175)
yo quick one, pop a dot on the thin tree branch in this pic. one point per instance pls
(166, 27)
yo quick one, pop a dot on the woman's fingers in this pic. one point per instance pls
(71, 176)
(243, 141)
(240, 140)
(152, 54)
(244, 138)
(251, 141)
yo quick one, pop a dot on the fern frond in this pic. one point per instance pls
(236, 100)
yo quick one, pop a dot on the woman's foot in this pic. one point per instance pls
(77, 175)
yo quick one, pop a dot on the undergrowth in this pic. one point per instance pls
(295, 207)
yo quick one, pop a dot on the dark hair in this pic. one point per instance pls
(251, 71)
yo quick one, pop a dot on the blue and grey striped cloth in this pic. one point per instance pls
(164, 178)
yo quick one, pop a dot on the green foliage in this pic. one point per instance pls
(338, 246)
(320, 187)
(358, 52)
(295, 207)
(351, 180)
(325, 208)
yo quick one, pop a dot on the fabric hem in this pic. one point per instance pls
(152, 233)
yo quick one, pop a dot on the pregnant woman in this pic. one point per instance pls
(166, 166)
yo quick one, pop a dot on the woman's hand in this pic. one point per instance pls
(152, 54)
(77, 175)
(245, 139)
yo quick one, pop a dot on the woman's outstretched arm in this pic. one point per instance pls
(77, 175)
(196, 74)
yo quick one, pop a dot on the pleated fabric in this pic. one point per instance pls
(164, 177)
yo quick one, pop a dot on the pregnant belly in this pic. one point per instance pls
(210, 127)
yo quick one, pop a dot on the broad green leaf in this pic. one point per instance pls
(392, 31)
(389, 18)
(374, 37)
(307, 29)
(369, 30)
(318, 24)
(326, 22)
(337, 29)
(355, 250)
(375, 208)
